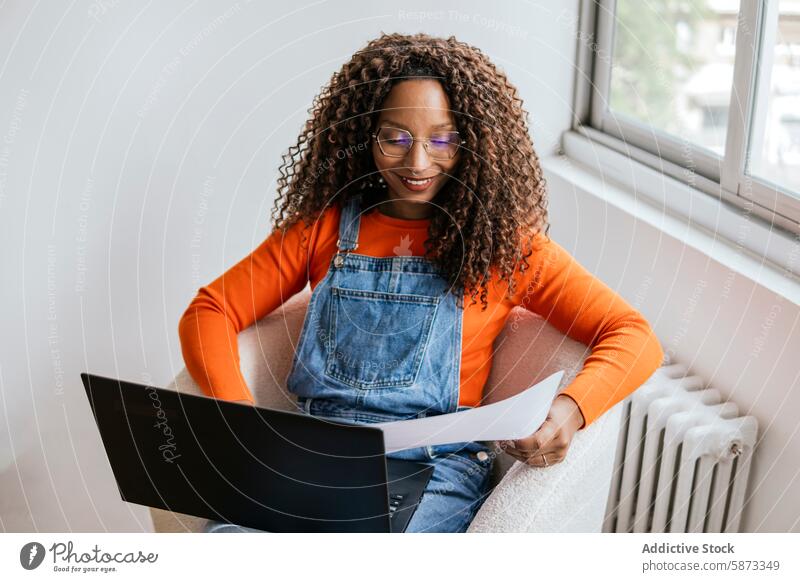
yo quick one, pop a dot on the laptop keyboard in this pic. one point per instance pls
(395, 500)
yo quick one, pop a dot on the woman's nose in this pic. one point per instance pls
(417, 158)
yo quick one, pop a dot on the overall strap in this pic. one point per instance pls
(349, 224)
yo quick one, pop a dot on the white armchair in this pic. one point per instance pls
(568, 497)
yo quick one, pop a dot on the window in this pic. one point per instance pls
(710, 86)
(669, 70)
(775, 138)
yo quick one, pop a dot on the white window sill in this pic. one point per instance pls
(728, 235)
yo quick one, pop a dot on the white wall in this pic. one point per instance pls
(739, 334)
(138, 149)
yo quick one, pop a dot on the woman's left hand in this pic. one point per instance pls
(548, 445)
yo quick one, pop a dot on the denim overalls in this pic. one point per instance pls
(381, 341)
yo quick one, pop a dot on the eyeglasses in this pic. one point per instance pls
(396, 143)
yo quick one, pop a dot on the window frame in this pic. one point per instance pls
(722, 176)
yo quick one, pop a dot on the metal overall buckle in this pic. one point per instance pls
(338, 260)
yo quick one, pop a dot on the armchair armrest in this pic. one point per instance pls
(568, 497)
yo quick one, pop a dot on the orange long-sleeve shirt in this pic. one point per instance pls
(625, 351)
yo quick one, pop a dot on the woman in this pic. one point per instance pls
(414, 186)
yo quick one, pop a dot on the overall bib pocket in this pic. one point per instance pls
(378, 339)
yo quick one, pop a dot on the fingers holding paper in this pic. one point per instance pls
(550, 443)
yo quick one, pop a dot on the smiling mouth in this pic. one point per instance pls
(416, 183)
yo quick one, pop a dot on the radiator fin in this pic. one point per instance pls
(683, 458)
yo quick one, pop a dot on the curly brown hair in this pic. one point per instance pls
(485, 214)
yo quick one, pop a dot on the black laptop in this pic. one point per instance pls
(272, 470)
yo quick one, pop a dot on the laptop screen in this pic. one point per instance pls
(262, 468)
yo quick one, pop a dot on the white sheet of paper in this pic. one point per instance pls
(513, 418)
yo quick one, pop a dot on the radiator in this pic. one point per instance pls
(683, 458)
